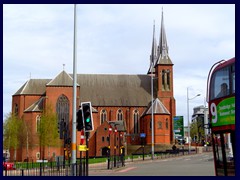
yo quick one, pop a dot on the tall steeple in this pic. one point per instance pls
(163, 56)
(153, 56)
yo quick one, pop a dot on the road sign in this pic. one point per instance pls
(178, 126)
(142, 135)
(82, 137)
(82, 148)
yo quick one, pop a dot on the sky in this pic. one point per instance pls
(115, 39)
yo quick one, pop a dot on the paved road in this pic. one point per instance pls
(190, 165)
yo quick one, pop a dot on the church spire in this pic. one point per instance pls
(163, 57)
(153, 56)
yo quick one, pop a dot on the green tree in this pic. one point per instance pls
(48, 130)
(12, 132)
(197, 130)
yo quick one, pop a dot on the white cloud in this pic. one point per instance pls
(38, 39)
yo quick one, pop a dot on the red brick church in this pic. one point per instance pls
(121, 100)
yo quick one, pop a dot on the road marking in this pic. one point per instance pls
(128, 169)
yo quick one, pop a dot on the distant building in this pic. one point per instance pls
(200, 115)
(114, 98)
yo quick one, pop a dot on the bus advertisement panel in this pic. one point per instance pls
(223, 113)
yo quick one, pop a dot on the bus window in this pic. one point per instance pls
(218, 154)
(220, 84)
(224, 154)
(229, 154)
(233, 78)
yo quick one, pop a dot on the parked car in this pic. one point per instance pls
(8, 166)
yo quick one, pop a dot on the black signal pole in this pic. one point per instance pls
(109, 148)
(115, 136)
(87, 155)
(64, 142)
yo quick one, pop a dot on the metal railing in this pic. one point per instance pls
(98, 163)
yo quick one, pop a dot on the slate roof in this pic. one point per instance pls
(158, 108)
(62, 79)
(115, 90)
(37, 106)
(100, 89)
(120, 125)
(33, 87)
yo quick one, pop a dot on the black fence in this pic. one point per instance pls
(82, 168)
(169, 153)
(60, 168)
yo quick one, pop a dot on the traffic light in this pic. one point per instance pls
(87, 116)
(68, 141)
(79, 120)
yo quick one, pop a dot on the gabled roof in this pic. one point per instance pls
(120, 125)
(62, 79)
(158, 108)
(100, 89)
(33, 87)
(37, 106)
(115, 90)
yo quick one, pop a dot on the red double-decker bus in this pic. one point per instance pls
(221, 105)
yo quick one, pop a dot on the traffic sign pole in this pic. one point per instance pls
(109, 151)
(115, 136)
(87, 136)
(81, 142)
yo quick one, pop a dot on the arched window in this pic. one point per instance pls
(168, 79)
(16, 109)
(38, 121)
(103, 115)
(159, 123)
(167, 123)
(119, 115)
(136, 121)
(37, 155)
(62, 109)
(150, 124)
(163, 79)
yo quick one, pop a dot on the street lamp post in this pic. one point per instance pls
(188, 99)
(152, 122)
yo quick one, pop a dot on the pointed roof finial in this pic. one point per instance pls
(153, 56)
(163, 56)
(63, 66)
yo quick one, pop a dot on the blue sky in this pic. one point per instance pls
(115, 39)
